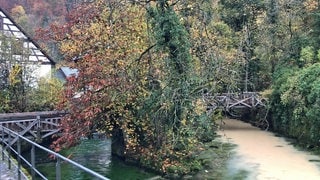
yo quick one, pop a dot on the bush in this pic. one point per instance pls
(295, 103)
(45, 96)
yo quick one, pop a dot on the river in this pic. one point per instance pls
(94, 154)
(260, 155)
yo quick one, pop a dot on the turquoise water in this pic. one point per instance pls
(94, 154)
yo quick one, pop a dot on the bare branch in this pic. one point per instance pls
(143, 53)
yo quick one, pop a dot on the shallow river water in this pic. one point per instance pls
(260, 155)
(94, 154)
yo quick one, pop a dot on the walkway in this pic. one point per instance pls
(6, 173)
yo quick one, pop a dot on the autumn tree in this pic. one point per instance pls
(214, 46)
(14, 83)
(104, 42)
(135, 82)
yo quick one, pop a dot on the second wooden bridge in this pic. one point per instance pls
(229, 101)
(235, 104)
(37, 125)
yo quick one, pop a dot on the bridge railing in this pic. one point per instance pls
(38, 125)
(8, 150)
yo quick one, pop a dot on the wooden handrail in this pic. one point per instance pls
(26, 115)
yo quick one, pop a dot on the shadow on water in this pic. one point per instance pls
(94, 154)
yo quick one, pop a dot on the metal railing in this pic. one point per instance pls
(11, 151)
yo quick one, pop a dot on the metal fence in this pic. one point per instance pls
(9, 151)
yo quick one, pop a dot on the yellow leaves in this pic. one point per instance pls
(68, 47)
(15, 75)
(18, 11)
(311, 5)
(200, 106)
(121, 63)
(184, 122)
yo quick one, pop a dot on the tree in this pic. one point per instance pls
(296, 109)
(16, 79)
(45, 96)
(135, 82)
(172, 38)
(19, 15)
(243, 18)
(307, 55)
(103, 41)
(18, 82)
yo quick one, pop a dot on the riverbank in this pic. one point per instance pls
(214, 159)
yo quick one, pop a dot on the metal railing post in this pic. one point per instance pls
(58, 169)
(19, 158)
(33, 162)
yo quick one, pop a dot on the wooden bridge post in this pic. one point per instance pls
(38, 138)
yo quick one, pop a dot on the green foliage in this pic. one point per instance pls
(4, 101)
(45, 96)
(318, 56)
(237, 14)
(174, 112)
(295, 101)
(18, 83)
(306, 55)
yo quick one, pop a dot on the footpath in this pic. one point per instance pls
(6, 173)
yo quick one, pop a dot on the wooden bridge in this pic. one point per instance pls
(17, 128)
(235, 104)
(231, 101)
(37, 125)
